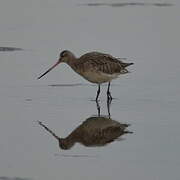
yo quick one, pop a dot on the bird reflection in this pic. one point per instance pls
(94, 131)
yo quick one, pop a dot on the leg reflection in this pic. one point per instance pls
(98, 108)
(108, 108)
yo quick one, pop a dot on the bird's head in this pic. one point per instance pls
(65, 143)
(65, 56)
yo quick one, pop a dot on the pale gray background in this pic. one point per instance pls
(148, 98)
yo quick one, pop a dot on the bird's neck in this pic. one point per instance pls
(71, 60)
(73, 63)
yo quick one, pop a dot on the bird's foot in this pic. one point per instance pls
(109, 97)
(97, 100)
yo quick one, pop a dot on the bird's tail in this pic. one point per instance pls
(128, 132)
(124, 65)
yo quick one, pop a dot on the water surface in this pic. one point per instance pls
(147, 98)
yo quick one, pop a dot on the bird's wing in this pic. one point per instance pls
(101, 62)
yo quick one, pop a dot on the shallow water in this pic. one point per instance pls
(147, 98)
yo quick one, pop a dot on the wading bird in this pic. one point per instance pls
(95, 67)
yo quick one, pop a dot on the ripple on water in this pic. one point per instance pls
(66, 85)
(13, 178)
(4, 49)
(129, 4)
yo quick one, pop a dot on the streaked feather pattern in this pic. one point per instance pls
(100, 62)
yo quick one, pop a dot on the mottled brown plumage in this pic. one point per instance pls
(95, 67)
(95, 131)
(95, 61)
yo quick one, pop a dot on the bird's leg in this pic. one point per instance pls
(108, 107)
(109, 97)
(98, 91)
(98, 108)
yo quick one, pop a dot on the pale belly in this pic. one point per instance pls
(98, 77)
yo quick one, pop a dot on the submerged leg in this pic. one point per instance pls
(98, 91)
(109, 97)
(108, 107)
(98, 108)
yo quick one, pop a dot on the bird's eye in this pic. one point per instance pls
(63, 54)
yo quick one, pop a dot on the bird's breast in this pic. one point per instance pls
(98, 77)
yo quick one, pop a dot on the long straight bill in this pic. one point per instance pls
(45, 127)
(49, 70)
